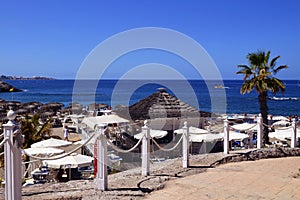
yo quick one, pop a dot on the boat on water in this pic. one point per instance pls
(220, 87)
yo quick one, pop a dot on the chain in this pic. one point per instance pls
(171, 149)
(122, 150)
(61, 156)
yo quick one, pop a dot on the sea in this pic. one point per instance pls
(205, 95)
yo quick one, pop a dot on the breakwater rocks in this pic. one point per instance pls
(5, 87)
(131, 185)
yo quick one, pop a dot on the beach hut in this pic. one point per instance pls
(164, 110)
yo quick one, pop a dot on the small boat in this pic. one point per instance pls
(220, 87)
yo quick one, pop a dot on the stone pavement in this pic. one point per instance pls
(277, 179)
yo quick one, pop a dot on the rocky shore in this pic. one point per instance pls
(5, 87)
(131, 185)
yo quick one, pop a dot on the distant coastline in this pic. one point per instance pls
(4, 77)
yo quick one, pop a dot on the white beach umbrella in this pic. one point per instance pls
(104, 119)
(209, 137)
(278, 118)
(71, 161)
(235, 135)
(281, 123)
(283, 134)
(192, 130)
(153, 133)
(244, 127)
(52, 142)
(45, 151)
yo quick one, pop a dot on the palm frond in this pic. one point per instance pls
(279, 68)
(273, 62)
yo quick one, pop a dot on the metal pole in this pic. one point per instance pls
(185, 146)
(226, 136)
(146, 150)
(294, 135)
(13, 162)
(259, 132)
(101, 177)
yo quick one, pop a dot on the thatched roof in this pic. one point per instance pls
(162, 105)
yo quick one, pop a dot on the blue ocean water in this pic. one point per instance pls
(61, 91)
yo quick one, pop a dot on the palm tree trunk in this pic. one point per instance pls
(264, 113)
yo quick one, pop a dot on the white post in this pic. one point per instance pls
(146, 150)
(101, 177)
(294, 135)
(226, 136)
(259, 132)
(13, 161)
(185, 146)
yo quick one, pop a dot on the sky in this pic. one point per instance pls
(53, 37)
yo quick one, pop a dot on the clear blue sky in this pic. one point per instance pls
(53, 37)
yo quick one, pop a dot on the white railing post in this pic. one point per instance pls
(146, 150)
(185, 146)
(259, 132)
(226, 136)
(101, 176)
(294, 135)
(13, 160)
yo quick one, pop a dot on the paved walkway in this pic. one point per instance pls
(263, 179)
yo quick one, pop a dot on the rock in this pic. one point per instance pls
(5, 87)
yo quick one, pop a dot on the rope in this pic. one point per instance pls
(1, 154)
(61, 156)
(171, 149)
(284, 128)
(122, 150)
(3, 141)
(2, 135)
(266, 125)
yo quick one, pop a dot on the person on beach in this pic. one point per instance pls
(66, 133)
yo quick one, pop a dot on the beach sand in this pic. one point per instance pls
(263, 179)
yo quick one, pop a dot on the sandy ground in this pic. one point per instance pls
(263, 179)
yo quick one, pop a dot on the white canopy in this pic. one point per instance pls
(278, 118)
(245, 127)
(235, 135)
(71, 161)
(46, 151)
(210, 137)
(51, 143)
(192, 130)
(283, 134)
(153, 133)
(281, 123)
(104, 119)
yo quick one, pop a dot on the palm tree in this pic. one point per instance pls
(260, 76)
(33, 132)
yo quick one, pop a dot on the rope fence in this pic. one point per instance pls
(167, 150)
(122, 150)
(3, 141)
